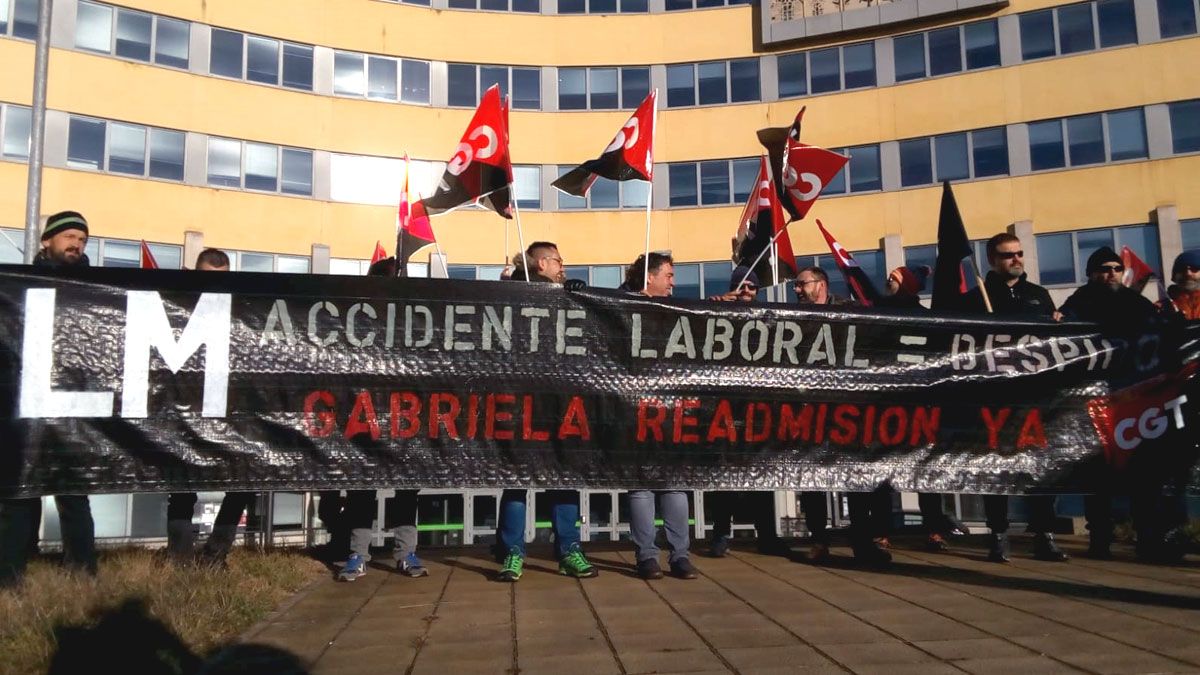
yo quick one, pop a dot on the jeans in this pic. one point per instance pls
(1041, 513)
(564, 520)
(400, 514)
(19, 521)
(674, 506)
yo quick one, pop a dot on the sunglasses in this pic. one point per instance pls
(1110, 269)
(1009, 255)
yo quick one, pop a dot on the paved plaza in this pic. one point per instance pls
(751, 613)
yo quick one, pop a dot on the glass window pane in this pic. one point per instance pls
(825, 65)
(909, 52)
(1185, 126)
(166, 154)
(494, 5)
(262, 167)
(635, 85)
(414, 82)
(532, 6)
(860, 65)
(717, 276)
(793, 75)
(745, 171)
(673, 5)
(711, 77)
(635, 193)
(714, 182)
(1190, 229)
(1046, 145)
(490, 75)
(168, 257)
(837, 186)
(743, 80)
(133, 35)
(572, 89)
(1085, 140)
(602, 6)
(226, 53)
(463, 4)
(297, 66)
(171, 42)
(526, 88)
(1118, 25)
(85, 144)
(951, 152)
(16, 132)
(461, 84)
(381, 78)
(93, 27)
(1175, 18)
(603, 89)
(572, 6)
(915, 256)
(287, 264)
(607, 276)
(630, 6)
(983, 44)
(1075, 32)
(25, 19)
(991, 152)
(297, 172)
(566, 201)
(916, 167)
(224, 162)
(1037, 34)
(945, 51)
(1143, 239)
(122, 254)
(527, 186)
(1126, 134)
(4, 246)
(864, 168)
(687, 281)
(605, 194)
(682, 183)
(127, 149)
(681, 85)
(1088, 242)
(348, 77)
(255, 262)
(1056, 262)
(262, 60)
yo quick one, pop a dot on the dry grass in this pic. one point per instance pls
(205, 607)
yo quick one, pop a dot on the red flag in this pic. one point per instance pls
(379, 254)
(761, 219)
(480, 169)
(629, 156)
(1137, 272)
(806, 171)
(414, 230)
(860, 284)
(148, 261)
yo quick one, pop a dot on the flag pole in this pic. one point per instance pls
(400, 226)
(770, 245)
(649, 201)
(987, 301)
(520, 235)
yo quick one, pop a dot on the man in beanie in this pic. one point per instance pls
(1185, 291)
(1105, 299)
(63, 243)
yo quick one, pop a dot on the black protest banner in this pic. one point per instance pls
(136, 380)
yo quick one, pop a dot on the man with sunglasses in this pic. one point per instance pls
(1185, 289)
(1011, 294)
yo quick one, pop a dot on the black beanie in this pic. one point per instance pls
(63, 221)
(1102, 255)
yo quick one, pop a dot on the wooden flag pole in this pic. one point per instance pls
(649, 201)
(770, 245)
(987, 301)
(520, 235)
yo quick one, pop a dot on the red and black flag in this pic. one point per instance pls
(413, 229)
(949, 281)
(856, 279)
(628, 157)
(379, 253)
(148, 262)
(800, 172)
(761, 219)
(480, 169)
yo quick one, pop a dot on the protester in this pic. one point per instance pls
(1185, 289)
(64, 240)
(545, 264)
(1011, 294)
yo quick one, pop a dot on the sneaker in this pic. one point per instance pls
(1100, 548)
(575, 564)
(936, 543)
(998, 549)
(883, 543)
(355, 567)
(1044, 548)
(683, 569)
(719, 547)
(649, 569)
(514, 564)
(411, 566)
(818, 553)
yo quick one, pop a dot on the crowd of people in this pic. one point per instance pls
(350, 519)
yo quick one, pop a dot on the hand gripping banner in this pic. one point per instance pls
(152, 380)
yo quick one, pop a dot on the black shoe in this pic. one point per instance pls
(1099, 549)
(649, 569)
(936, 543)
(1044, 548)
(872, 554)
(683, 569)
(998, 549)
(718, 547)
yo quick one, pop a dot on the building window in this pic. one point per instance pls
(172, 43)
(226, 53)
(297, 66)
(990, 152)
(825, 67)
(527, 186)
(414, 81)
(526, 88)
(24, 19)
(982, 44)
(1176, 17)
(606, 194)
(1190, 230)
(714, 182)
(134, 31)
(1085, 140)
(1075, 30)
(745, 172)
(682, 181)
(792, 70)
(975, 154)
(603, 92)
(1185, 126)
(85, 143)
(93, 27)
(167, 151)
(909, 54)
(224, 163)
(915, 165)
(864, 168)
(681, 85)
(945, 51)
(950, 156)
(1037, 34)
(256, 166)
(1062, 257)
(17, 127)
(1046, 145)
(127, 149)
(381, 79)
(572, 88)
(262, 60)
(297, 177)
(712, 83)
(461, 85)
(1126, 134)
(1117, 22)
(635, 86)
(743, 81)
(859, 61)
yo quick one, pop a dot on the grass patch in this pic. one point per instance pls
(204, 607)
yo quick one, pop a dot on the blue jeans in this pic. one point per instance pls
(564, 519)
(674, 506)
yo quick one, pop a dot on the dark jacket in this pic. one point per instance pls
(1097, 302)
(519, 275)
(43, 260)
(1023, 298)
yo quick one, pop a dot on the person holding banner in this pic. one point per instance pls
(654, 276)
(1185, 289)
(63, 242)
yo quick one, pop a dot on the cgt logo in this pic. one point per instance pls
(1139, 414)
(481, 143)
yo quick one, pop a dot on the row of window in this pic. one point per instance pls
(165, 41)
(1087, 139)
(959, 156)
(579, 6)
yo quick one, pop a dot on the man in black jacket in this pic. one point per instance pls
(63, 242)
(1012, 294)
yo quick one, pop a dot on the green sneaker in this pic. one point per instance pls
(575, 564)
(514, 563)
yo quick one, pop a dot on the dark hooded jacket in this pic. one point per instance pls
(1098, 303)
(1023, 298)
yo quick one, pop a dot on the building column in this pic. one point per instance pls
(893, 252)
(1170, 236)
(1023, 229)
(193, 244)
(319, 263)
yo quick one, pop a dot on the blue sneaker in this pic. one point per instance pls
(411, 566)
(355, 567)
